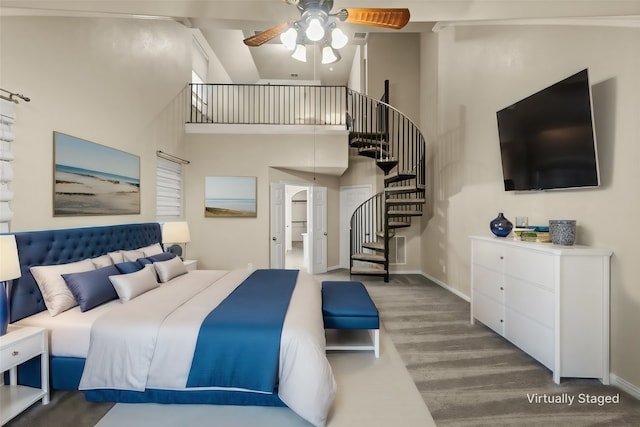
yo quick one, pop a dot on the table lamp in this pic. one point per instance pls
(9, 270)
(176, 233)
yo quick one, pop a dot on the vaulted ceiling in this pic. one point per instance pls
(226, 23)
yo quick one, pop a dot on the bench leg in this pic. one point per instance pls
(375, 339)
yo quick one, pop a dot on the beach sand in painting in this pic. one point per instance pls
(80, 194)
(217, 212)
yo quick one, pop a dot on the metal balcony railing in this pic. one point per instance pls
(267, 104)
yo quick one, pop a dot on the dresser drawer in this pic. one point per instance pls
(488, 254)
(20, 351)
(489, 312)
(488, 282)
(536, 267)
(532, 301)
(532, 337)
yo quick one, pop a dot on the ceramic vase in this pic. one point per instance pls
(501, 226)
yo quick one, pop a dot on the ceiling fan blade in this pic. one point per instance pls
(378, 17)
(266, 35)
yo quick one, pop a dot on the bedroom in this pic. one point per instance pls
(95, 78)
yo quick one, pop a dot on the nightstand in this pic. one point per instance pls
(191, 264)
(18, 345)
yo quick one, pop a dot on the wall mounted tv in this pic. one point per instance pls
(547, 140)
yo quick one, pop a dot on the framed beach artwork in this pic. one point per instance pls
(91, 179)
(230, 196)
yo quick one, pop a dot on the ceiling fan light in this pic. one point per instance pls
(300, 53)
(338, 39)
(314, 31)
(288, 38)
(328, 55)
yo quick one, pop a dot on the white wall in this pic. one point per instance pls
(479, 71)
(115, 82)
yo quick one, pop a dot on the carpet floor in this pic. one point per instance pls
(466, 374)
(470, 376)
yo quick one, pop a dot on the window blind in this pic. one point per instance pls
(169, 198)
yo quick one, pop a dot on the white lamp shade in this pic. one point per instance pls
(288, 38)
(9, 262)
(300, 53)
(328, 55)
(338, 39)
(315, 31)
(176, 232)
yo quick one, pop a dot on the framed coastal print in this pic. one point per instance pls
(91, 179)
(230, 196)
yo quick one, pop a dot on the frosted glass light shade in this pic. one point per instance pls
(300, 53)
(315, 31)
(176, 232)
(328, 55)
(288, 38)
(338, 39)
(9, 261)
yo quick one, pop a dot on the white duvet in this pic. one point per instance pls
(148, 342)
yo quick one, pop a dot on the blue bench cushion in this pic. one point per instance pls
(347, 305)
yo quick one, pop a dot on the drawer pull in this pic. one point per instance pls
(501, 288)
(15, 353)
(501, 257)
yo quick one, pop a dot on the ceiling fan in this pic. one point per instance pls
(317, 25)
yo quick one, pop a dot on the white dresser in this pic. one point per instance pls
(551, 301)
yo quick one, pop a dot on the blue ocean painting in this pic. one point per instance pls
(230, 196)
(91, 179)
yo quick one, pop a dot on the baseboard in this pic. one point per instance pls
(625, 385)
(447, 287)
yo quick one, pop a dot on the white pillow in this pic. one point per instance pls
(150, 250)
(169, 269)
(128, 286)
(56, 294)
(132, 255)
(102, 261)
(116, 257)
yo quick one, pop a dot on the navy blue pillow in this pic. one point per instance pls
(164, 256)
(128, 267)
(92, 288)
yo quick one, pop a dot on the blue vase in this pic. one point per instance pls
(501, 226)
(4, 310)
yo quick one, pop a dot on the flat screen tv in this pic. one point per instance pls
(547, 140)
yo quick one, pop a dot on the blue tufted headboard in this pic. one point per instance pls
(50, 247)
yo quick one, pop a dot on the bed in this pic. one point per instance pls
(235, 337)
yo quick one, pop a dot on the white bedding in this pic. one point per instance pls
(306, 382)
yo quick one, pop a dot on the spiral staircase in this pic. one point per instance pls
(379, 131)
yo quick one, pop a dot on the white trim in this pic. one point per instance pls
(625, 385)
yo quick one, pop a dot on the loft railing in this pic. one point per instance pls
(267, 104)
(387, 128)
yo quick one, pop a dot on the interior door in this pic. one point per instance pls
(278, 200)
(317, 220)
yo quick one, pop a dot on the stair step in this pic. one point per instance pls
(406, 201)
(369, 271)
(362, 143)
(404, 189)
(376, 246)
(399, 224)
(367, 136)
(386, 164)
(406, 212)
(374, 152)
(380, 234)
(399, 176)
(380, 259)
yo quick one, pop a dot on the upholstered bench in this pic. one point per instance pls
(347, 305)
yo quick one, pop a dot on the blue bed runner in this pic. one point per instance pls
(239, 341)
